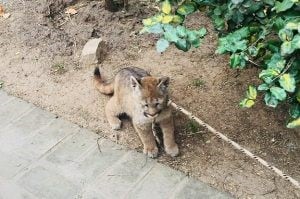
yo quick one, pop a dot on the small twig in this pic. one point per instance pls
(269, 192)
(252, 62)
(99, 144)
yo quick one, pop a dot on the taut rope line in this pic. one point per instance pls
(235, 145)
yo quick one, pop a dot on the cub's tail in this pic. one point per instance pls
(103, 87)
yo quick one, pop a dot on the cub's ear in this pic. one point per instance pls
(134, 82)
(163, 83)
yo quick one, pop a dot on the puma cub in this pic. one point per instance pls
(143, 98)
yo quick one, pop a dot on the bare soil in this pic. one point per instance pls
(40, 48)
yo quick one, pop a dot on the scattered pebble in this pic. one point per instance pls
(6, 15)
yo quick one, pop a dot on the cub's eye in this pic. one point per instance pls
(146, 105)
(157, 104)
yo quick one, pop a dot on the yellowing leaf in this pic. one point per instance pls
(158, 18)
(247, 103)
(177, 19)
(287, 82)
(291, 26)
(71, 11)
(295, 123)
(152, 20)
(166, 7)
(251, 93)
(167, 19)
(148, 22)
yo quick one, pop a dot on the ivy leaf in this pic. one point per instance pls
(268, 75)
(156, 29)
(196, 43)
(148, 22)
(251, 93)
(286, 48)
(288, 82)
(192, 36)
(252, 51)
(181, 31)
(235, 60)
(292, 25)
(283, 6)
(294, 110)
(217, 11)
(177, 19)
(167, 19)
(183, 45)
(279, 23)
(186, 9)
(263, 87)
(261, 14)
(293, 124)
(238, 17)
(274, 46)
(162, 45)
(296, 41)
(152, 20)
(270, 2)
(278, 93)
(219, 22)
(247, 103)
(202, 32)
(285, 34)
(237, 1)
(170, 33)
(166, 7)
(270, 100)
(238, 60)
(276, 63)
(242, 32)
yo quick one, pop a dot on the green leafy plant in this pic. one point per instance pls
(264, 34)
(168, 27)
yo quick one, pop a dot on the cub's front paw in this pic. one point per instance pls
(172, 151)
(151, 152)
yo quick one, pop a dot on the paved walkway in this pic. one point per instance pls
(43, 156)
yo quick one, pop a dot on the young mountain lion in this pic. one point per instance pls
(143, 98)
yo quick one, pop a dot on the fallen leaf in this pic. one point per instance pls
(6, 15)
(71, 11)
(1, 11)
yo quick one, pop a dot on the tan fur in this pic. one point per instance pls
(143, 98)
(105, 88)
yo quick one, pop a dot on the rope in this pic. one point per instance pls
(236, 145)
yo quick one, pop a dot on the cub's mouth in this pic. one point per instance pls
(152, 115)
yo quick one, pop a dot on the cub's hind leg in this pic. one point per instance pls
(112, 111)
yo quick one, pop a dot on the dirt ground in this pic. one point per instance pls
(40, 49)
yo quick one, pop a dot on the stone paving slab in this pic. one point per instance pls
(42, 156)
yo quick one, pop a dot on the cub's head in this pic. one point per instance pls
(152, 93)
